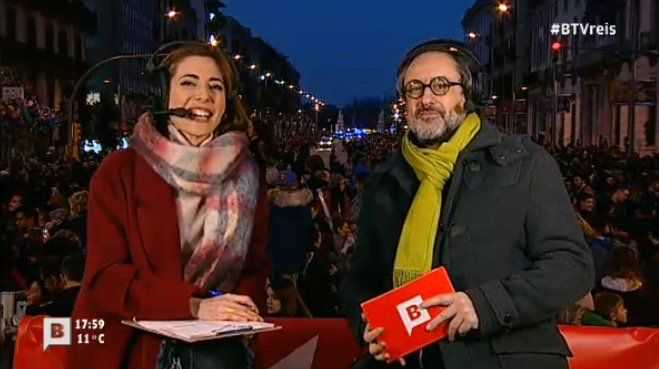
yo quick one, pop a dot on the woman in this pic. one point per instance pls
(625, 279)
(177, 215)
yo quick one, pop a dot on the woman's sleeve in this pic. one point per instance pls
(112, 283)
(257, 263)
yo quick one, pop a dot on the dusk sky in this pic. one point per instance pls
(348, 48)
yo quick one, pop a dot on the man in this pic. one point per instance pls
(65, 285)
(490, 208)
(15, 203)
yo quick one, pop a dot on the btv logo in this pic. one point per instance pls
(412, 314)
(56, 332)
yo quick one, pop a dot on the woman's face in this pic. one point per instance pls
(198, 86)
(273, 304)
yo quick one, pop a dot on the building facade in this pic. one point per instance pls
(590, 90)
(477, 24)
(44, 44)
(261, 67)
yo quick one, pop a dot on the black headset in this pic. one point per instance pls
(460, 53)
(158, 73)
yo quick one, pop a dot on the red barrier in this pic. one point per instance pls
(29, 352)
(328, 343)
(600, 348)
(309, 343)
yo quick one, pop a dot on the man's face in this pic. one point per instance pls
(588, 205)
(621, 195)
(578, 181)
(433, 117)
(344, 231)
(610, 181)
(15, 203)
(654, 188)
(23, 223)
(621, 314)
(20, 219)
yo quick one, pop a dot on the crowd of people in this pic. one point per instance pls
(26, 125)
(43, 230)
(314, 211)
(616, 199)
(313, 226)
(315, 203)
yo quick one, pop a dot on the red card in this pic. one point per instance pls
(404, 322)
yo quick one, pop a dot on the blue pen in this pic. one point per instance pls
(215, 293)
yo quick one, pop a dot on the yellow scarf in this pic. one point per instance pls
(432, 167)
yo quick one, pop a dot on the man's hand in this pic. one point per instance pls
(375, 347)
(459, 311)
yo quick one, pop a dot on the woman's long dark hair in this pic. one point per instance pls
(624, 263)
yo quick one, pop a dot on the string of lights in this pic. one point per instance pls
(262, 74)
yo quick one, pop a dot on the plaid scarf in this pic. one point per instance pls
(225, 175)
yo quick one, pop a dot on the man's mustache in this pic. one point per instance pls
(439, 111)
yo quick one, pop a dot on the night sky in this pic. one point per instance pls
(346, 49)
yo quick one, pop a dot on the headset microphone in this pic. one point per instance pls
(177, 112)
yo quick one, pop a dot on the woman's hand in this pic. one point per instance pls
(237, 308)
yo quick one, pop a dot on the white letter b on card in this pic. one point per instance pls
(412, 314)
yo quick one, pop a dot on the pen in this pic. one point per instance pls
(215, 293)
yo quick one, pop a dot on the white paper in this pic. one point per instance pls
(200, 328)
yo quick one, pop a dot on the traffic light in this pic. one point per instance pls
(556, 48)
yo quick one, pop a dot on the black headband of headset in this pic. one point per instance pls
(443, 45)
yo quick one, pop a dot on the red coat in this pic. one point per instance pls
(133, 267)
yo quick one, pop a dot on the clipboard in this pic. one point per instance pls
(192, 331)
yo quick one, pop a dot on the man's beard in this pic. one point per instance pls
(439, 129)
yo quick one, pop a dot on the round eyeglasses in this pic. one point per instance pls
(439, 86)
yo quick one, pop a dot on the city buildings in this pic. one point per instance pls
(583, 88)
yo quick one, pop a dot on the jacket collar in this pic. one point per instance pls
(486, 138)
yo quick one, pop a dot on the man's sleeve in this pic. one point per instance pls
(562, 269)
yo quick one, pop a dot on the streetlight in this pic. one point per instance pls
(213, 41)
(172, 14)
(503, 8)
(472, 35)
